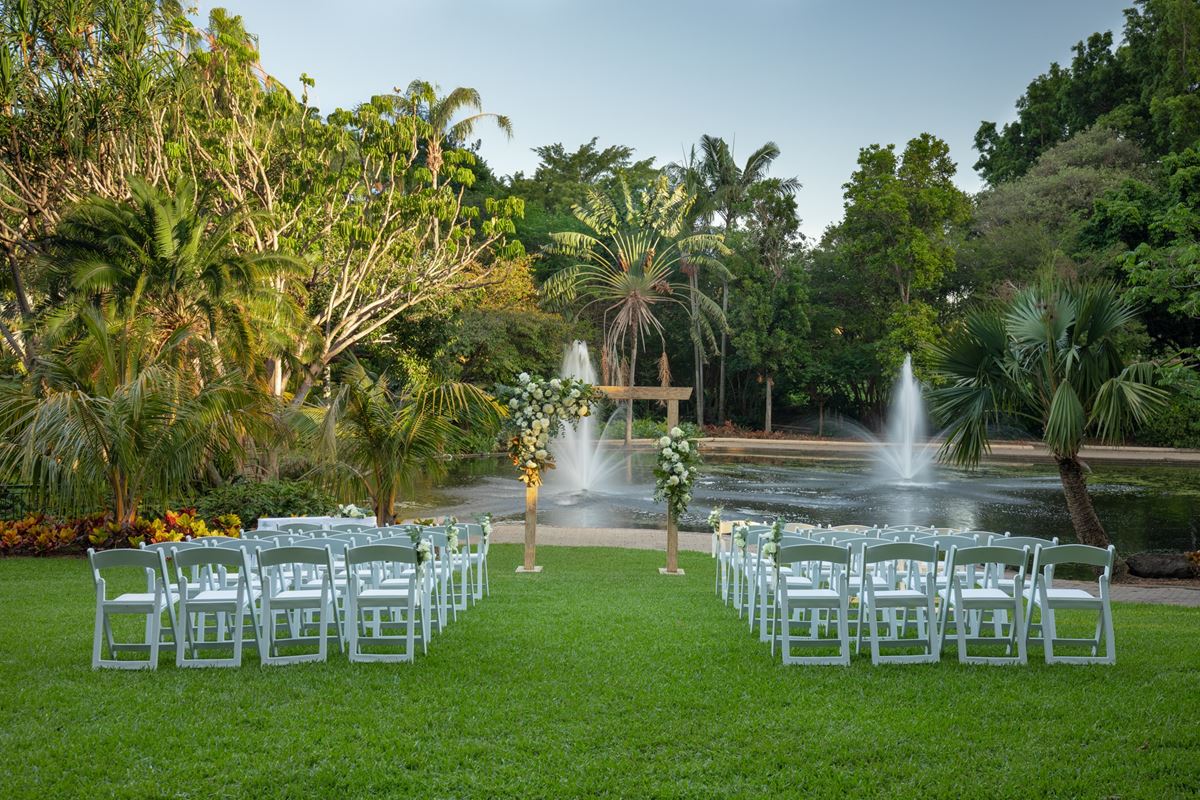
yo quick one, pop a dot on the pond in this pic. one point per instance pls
(1143, 508)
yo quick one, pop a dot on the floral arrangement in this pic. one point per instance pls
(739, 534)
(485, 525)
(351, 511)
(771, 545)
(675, 471)
(424, 552)
(714, 522)
(536, 411)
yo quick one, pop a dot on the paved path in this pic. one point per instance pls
(1001, 452)
(648, 539)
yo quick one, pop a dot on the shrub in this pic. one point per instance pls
(1177, 424)
(249, 501)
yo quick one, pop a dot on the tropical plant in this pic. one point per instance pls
(627, 263)
(249, 501)
(444, 123)
(117, 416)
(727, 195)
(381, 439)
(1053, 358)
(161, 254)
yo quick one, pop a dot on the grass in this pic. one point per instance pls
(598, 678)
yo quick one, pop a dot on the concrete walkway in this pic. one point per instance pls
(1001, 452)
(1174, 594)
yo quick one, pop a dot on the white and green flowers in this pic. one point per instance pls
(536, 411)
(675, 471)
(771, 545)
(485, 525)
(714, 523)
(351, 511)
(740, 529)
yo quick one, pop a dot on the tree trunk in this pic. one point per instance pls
(697, 349)
(1087, 525)
(721, 371)
(767, 419)
(820, 418)
(629, 409)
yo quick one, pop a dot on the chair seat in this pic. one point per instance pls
(140, 599)
(221, 596)
(906, 596)
(390, 584)
(985, 597)
(296, 597)
(1068, 598)
(383, 594)
(824, 597)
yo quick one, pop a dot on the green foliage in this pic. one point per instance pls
(380, 439)
(1177, 424)
(1052, 357)
(486, 347)
(250, 501)
(1145, 88)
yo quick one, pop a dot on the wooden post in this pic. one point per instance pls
(531, 495)
(672, 414)
(672, 567)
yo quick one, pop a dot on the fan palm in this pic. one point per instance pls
(114, 418)
(727, 188)
(161, 254)
(381, 439)
(627, 263)
(442, 114)
(1052, 358)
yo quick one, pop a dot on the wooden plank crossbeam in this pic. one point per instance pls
(672, 394)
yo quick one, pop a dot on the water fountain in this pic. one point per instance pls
(582, 464)
(905, 454)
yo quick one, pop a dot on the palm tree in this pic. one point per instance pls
(627, 263)
(728, 186)
(441, 114)
(162, 255)
(381, 439)
(116, 417)
(1052, 358)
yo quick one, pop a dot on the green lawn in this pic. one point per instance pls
(598, 678)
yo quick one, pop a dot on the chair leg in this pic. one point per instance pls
(98, 636)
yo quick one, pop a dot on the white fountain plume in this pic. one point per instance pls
(582, 465)
(906, 453)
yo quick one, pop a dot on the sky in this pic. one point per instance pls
(820, 78)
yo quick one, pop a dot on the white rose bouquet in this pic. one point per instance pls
(739, 535)
(675, 471)
(351, 511)
(485, 525)
(536, 411)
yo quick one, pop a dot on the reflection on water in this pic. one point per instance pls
(1143, 508)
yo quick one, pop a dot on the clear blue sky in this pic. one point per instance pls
(821, 78)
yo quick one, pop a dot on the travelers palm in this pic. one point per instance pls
(628, 262)
(1052, 358)
(383, 439)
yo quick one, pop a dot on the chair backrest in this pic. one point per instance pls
(210, 556)
(401, 540)
(1048, 557)
(852, 528)
(898, 536)
(794, 538)
(282, 538)
(944, 543)
(350, 527)
(353, 539)
(1032, 542)
(300, 527)
(391, 553)
(826, 553)
(312, 556)
(336, 546)
(905, 528)
(980, 537)
(800, 526)
(167, 547)
(248, 545)
(153, 562)
(840, 537)
(213, 541)
(900, 551)
(986, 555)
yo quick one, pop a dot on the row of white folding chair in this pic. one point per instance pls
(1012, 613)
(246, 607)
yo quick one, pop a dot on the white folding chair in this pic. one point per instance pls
(300, 527)
(908, 590)
(1049, 599)
(833, 599)
(229, 608)
(400, 605)
(972, 604)
(286, 590)
(150, 604)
